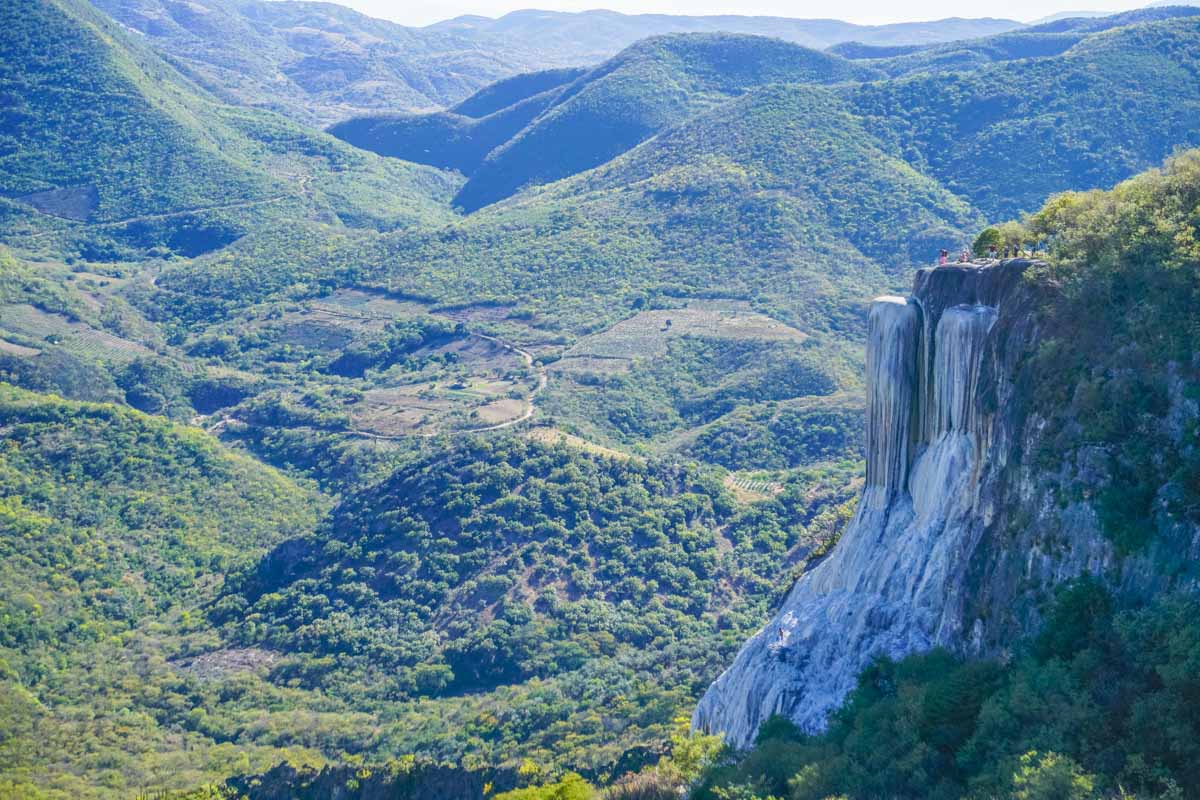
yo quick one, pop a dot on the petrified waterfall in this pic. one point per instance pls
(892, 584)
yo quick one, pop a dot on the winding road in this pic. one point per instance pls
(531, 401)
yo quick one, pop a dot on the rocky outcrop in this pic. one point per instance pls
(958, 538)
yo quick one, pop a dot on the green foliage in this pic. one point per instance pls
(1094, 706)
(569, 787)
(1118, 354)
(987, 239)
(1051, 777)
(691, 753)
(112, 525)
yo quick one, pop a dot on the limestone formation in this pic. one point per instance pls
(956, 539)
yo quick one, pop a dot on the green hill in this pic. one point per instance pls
(486, 576)
(1117, 102)
(445, 139)
(164, 162)
(508, 92)
(319, 62)
(648, 87)
(115, 526)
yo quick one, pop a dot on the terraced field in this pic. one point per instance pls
(16, 349)
(646, 334)
(752, 488)
(34, 325)
(429, 408)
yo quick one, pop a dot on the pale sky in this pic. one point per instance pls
(866, 12)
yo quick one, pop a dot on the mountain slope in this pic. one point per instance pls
(165, 162)
(1038, 41)
(318, 62)
(1116, 102)
(576, 126)
(446, 139)
(115, 526)
(804, 142)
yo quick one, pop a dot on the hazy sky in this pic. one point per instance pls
(423, 12)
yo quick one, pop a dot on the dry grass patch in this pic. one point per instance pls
(647, 333)
(554, 436)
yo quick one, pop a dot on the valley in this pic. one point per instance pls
(393, 411)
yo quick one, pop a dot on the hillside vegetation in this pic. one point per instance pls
(165, 164)
(1053, 98)
(319, 62)
(114, 525)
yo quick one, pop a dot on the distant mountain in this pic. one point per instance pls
(1070, 15)
(1039, 41)
(1151, 13)
(1057, 93)
(595, 35)
(321, 63)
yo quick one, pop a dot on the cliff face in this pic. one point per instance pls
(961, 534)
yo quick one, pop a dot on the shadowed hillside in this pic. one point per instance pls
(582, 124)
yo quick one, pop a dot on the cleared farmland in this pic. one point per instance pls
(27, 322)
(647, 334)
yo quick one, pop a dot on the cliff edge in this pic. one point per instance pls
(960, 535)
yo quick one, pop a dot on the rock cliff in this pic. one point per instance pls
(960, 535)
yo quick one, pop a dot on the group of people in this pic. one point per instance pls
(994, 252)
(944, 257)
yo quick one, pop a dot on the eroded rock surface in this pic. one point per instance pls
(958, 539)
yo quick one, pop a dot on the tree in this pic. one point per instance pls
(986, 239)
(1051, 777)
